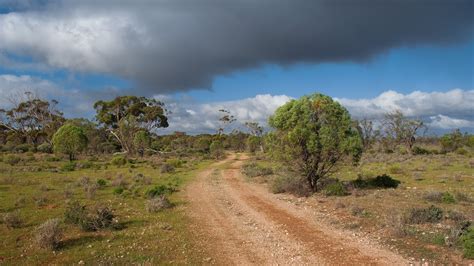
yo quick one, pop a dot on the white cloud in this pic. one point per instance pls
(446, 122)
(455, 102)
(441, 110)
(203, 117)
(73, 102)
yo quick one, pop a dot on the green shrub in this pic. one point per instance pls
(89, 220)
(85, 165)
(461, 151)
(448, 198)
(420, 151)
(176, 163)
(101, 182)
(160, 190)
(118, 161)
(395, 169)
(384, 181)
(253, 169)
(217, 149)
(467, 242)
(24, 148)
(381, 181)
(335, 189)
(431, 214)
(287, 184)
(52, 159)
(11, 159)
(75, 213)
(68, 167)
(118, 190)
(45, 148)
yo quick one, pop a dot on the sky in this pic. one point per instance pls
(250, 57)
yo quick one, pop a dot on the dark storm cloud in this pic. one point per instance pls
(174, 45)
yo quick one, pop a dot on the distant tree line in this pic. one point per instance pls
(313, 133)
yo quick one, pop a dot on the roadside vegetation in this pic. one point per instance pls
(109, 190)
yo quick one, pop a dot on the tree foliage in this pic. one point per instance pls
(69, 140)
(33, 119)
(126, 115)
(315, 132)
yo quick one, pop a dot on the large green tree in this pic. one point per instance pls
(315, 132)
(126, 115)
(69, 140)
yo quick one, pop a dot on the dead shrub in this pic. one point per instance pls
(293, 185)
(120, 181)
(90, 190)
(41, 200)
(166, 168)
(434, 196)
(20, 201)
(12, 220)
(253, 170)
(157, 204)
(431, 214)
(49, 234)
(99, 217)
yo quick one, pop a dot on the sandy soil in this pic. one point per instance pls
(241, 223)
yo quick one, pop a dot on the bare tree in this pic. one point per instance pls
(401, 129)
(225, 120)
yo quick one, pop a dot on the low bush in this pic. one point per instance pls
(99, 217)
(335, 189)
(431, 214)
(420, 151)
(253, 169)
(441, 197)
(456, 216)
(118, 190)
(460, 196)
(467, 242)
(159, 191)
(381, 181)
(91, 190)
(433, 196)
(45, 148)
(12, 159)
(68, 167)
(158, 203)
(101, 182)
(12, 220)
(448, 198)
(118, 161)
(24, 148)
(120, 181)
(175, 162)
(52, 159)
(167, 168)
(49, 234)
(287, 184)
(461, 151)
(395, 169)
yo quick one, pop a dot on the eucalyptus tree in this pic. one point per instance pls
(124, 116)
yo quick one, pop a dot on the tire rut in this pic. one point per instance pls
(241, 224)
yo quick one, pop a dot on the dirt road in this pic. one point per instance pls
(241, 223)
